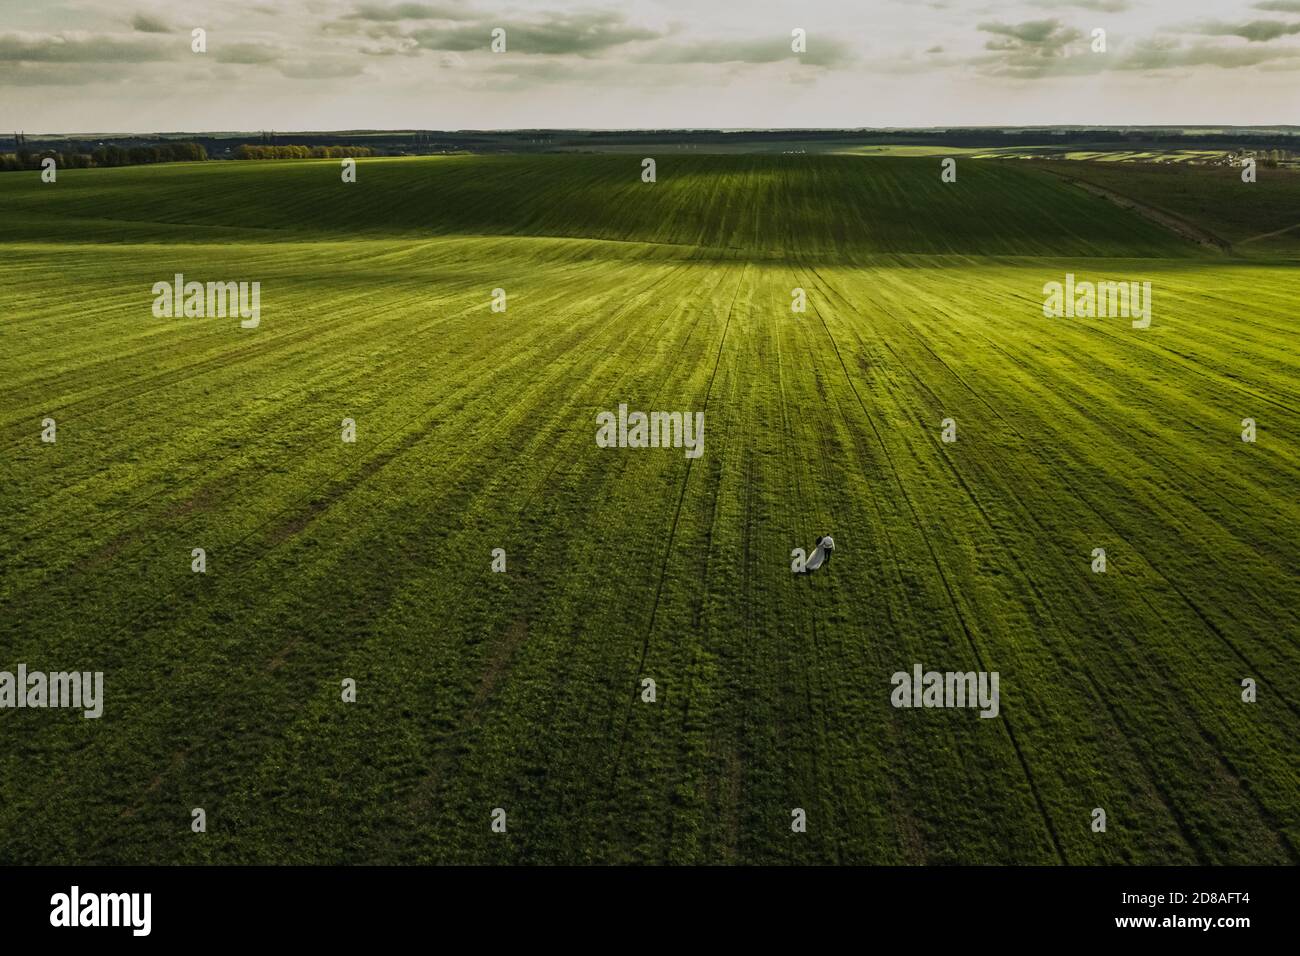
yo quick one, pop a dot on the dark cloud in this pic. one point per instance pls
(827, 51)
(1279, 6)
(388, 13)
(1150, 56)
(1100, 6)
(1256, 31)
(582, 33)
(1159, 56)
(1035, 38)
(82, 48)
(247, 53)
(147, 23)
(400, 46)
(1031, 48)
(461, 39)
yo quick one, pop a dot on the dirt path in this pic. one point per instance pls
(1168, 220)
(1269, 235)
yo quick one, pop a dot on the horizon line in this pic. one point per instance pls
(1197, 127)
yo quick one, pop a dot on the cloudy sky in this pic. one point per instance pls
(119, 65)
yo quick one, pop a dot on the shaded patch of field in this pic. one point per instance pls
(831, 207)
(1259, 219)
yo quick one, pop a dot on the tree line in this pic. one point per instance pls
(106, 156)
(301, 152)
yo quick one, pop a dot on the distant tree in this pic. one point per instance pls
(299, 151)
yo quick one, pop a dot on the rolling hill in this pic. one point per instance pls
(371, 561)
(746, 205)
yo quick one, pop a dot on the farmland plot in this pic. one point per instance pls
(371, 561)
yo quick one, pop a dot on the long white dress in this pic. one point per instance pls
(821, 554)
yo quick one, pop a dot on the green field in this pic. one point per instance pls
(1260, 218)
(1107, 152)
(475, 431)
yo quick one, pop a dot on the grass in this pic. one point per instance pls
(1103, 152)
(475, 431)
(748, 206)
(1259, 218)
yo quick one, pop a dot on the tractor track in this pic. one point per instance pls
(943, 577)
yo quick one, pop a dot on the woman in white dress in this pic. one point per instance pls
(821, 554)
